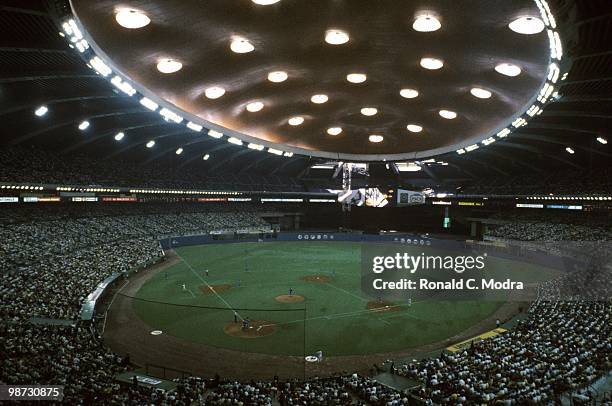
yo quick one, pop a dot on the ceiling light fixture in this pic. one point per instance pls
(215, 134)
(168, 65)
(319, 98)
(214, 92)
(426, 23)
(278, 76)
(256, 147)
(150, 144)
(409, 93)
(194, 127)
(376, 138)
(84, 125)
(527, 25)
(356, 77)
(448, 114)
(179, 151)
(206, 157)
(334, 130)
(432, 63)
(241, 45)
(41, 111)
(369, 111)
(295, 121)
(570, 150)
(414, 128)
(119, 136)
(148, 103)
(254, 107)
(480, 93)
(602, 140)
(265, 2)
(508, 69)
(336, 37)
(132, 19)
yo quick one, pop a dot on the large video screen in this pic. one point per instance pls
(370, 197)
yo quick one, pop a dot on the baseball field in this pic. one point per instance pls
(298, 297)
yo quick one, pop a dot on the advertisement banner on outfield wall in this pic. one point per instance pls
(560, 270)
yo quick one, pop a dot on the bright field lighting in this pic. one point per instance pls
(508, 69)
(356, 77)
(278, 76)
(214, 92)
(432, 63)
(295, 121)
(480, 93)
(41, 111)
(414, 128)
(447, 114)
(369, 111)
(132, 19)
(241, 45)
(409, 93)
(336, 37)
(255, 107)
(527, 25)
(334, 130)
(426, 23)
(168, 66)
(319, 98)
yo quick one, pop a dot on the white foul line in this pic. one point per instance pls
(229, 306)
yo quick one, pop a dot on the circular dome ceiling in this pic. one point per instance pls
(287, 59)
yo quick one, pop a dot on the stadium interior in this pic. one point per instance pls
(189, 192)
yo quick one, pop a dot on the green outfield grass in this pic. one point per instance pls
(336, 317)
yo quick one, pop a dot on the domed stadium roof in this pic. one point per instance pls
(302, 56)
(428, 77)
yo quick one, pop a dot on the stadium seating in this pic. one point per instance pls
(565, 181)
(21, 165)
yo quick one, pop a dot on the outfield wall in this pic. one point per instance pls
(182, 241)
(454, 247)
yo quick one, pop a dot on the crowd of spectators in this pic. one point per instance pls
(570, 182)
(550, 226)
(561, 347)
(541, 231)
(30, 165)
(52, 257)
(342, 390)
(53, 262)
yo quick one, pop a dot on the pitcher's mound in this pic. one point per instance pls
(383, 306)
(289, 299)
(257, 328)
(317, 278)
(212, 289)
